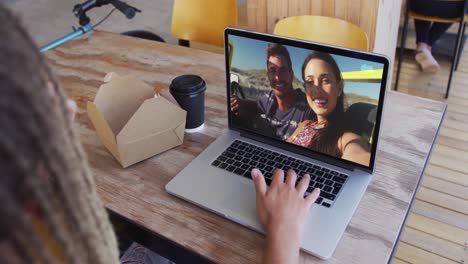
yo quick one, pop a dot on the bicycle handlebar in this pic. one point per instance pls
(80, 9)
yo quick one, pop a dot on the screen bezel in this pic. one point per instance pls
(316, 47)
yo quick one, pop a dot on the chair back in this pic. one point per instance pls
(203, 20)
(418, 16)
(420, 10)
(323, 29)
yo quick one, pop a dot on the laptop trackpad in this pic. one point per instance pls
(240, 204)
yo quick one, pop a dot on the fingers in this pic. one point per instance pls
(50, 88)
(234, 105)
(72, 107)
(291, 178)
(260, 191)
(312, 197)
(259, 181)
(278, 177)
(303, 184)
(234, 108)
(234, 100)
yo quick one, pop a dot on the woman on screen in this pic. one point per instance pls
(324, 90)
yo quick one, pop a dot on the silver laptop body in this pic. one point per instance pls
(233, 196)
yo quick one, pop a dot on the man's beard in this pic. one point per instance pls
(283, 91)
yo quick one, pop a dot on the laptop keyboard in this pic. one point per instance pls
(241, 157)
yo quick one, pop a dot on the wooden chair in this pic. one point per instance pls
(335, 32)
(323, 29)
(202, 20)
(457, 49)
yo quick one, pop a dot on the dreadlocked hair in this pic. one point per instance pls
(44, 172)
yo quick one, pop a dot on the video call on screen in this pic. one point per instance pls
(309, 103)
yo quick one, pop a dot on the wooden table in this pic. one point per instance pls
(137, 193)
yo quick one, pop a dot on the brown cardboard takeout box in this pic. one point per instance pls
(133, 124)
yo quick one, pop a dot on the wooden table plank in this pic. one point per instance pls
(447, 174)
(438, 229)
(445, 187)
(457, 101)
(451, 142)
(398, 261)
(455, 133)
(408, 132)
(449, 123)
(419, 256)
(438, 246)
(440, 214)
(447, 162)
(458, 154)
(444, 200)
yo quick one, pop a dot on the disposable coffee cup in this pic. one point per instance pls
(189, 92)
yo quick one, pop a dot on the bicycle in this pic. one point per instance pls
(85, 23)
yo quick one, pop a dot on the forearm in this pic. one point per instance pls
(283, 210)
(356, 150)
(357, 155)
(281, 247)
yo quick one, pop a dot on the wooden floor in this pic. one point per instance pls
(436, 230)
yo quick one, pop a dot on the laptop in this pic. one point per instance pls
(257, 137)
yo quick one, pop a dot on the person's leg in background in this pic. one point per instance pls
(437, 30)
(427, 33)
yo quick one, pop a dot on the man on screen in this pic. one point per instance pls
(284, 107)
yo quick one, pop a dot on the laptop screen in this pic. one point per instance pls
(323, 99)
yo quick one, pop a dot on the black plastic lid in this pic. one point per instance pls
(187, 84)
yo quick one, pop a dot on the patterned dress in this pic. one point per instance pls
(306, 135)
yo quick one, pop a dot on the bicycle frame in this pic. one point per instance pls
(79, 32)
